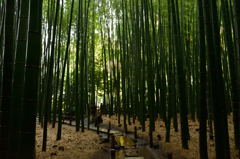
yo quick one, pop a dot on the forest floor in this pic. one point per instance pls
(73, 145)
(87, 145)
(174, 146)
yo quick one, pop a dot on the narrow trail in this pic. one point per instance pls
(125, 145)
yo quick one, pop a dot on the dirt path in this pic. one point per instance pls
(88, 145)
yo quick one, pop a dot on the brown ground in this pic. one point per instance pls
(76, 145)
(87, 145)
(174, 146)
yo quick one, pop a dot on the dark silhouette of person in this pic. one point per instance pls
(98, 120)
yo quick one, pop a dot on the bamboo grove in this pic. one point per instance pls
(145, 60)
